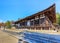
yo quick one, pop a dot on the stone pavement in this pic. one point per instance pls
(6, 38)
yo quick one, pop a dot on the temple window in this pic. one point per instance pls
(36, 21)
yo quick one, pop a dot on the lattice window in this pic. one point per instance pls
(36, 21)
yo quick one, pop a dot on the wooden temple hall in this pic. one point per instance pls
(42, 20)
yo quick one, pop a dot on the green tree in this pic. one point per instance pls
(8, 24)
(58, 18)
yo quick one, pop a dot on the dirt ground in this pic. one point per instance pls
(5, 38)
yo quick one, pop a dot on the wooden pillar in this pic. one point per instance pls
(49, 28)
(35, 29)
(30, 29)
(33, 22)
(41, 28)
(39, 21)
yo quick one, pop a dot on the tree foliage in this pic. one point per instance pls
(58, 18)
(8, 24)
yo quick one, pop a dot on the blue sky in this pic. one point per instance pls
(14, 9)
